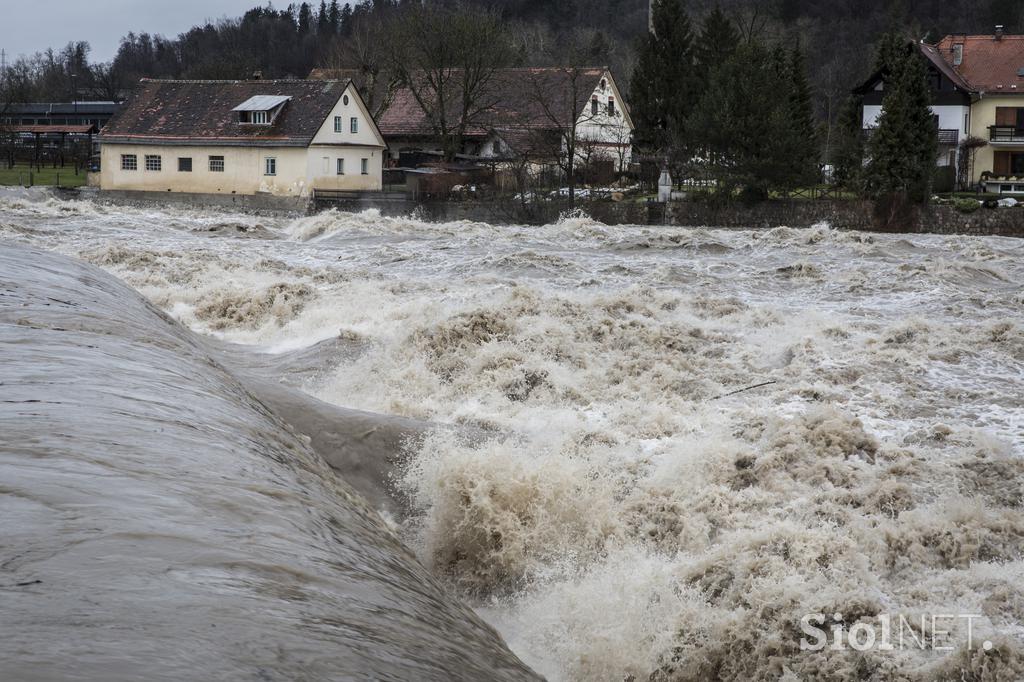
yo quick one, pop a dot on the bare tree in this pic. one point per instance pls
(363, 55)
(562, 104)
(107, 82)
(450, 59)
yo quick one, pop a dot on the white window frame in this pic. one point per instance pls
(364, 166)
(154, 163)
(270, 165)
(219, 160)
(338, 125)
(340, 166)
(129, 162)
(353, 125)
(259, 118)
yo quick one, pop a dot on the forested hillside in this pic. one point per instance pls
(837, 36)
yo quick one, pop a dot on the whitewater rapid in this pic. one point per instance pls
(602, 495)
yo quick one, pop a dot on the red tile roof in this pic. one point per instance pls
(185, 111)
(989, 64)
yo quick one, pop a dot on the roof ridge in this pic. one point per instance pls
(262, 80)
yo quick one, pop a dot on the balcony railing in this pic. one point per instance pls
(1005, 134)
(946, 137)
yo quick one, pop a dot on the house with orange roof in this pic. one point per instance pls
(977, 84)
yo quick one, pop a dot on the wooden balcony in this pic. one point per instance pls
(1005, 134)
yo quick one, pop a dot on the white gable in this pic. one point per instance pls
(338, 128)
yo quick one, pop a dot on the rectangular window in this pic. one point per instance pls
(341, 166)
(337, 125)
(129, 162)
(353, 125)
(153, 162)
(593, 106)
(270, 166)
(611, 106)
(364, 166)
(184, 164)
(216, 164)
(259, 117)
(1017, 164)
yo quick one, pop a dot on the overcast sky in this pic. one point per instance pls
(28, 26)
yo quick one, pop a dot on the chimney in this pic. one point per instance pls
(999, 31)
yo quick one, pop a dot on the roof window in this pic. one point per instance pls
(261, 109)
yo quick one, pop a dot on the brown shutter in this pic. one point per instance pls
(1006, 116)
(1001, 163)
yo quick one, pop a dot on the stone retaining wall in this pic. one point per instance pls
(840, 214)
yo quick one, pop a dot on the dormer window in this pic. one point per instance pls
(261, 110)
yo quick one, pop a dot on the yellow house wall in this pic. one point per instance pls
(243, 170)
(322, 167)
(983, 115)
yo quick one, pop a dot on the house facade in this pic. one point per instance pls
(993, 65)
(527, 116)
(285, 138)
(977, 84)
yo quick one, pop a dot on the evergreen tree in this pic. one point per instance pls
(755, 122)
(738, 121)
(904, 146)
(890, 51)
(305, 19)
(663, 87)
(848, 153)
(716, 43)
(801, 132)
(321, 19)
(345, 26)
(333, 17)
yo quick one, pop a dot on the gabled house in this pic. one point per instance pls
(977, 97)
(993, 67)
(528, 115)
(285, 138)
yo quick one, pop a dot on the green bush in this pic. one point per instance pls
(966, 205)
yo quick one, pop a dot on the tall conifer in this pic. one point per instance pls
(904, 146)
(663, 87)
(848, 152)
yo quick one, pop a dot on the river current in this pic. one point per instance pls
(658, 448)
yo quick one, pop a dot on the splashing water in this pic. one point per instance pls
(618, 510)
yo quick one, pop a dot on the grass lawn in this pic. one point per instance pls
(19, 175)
